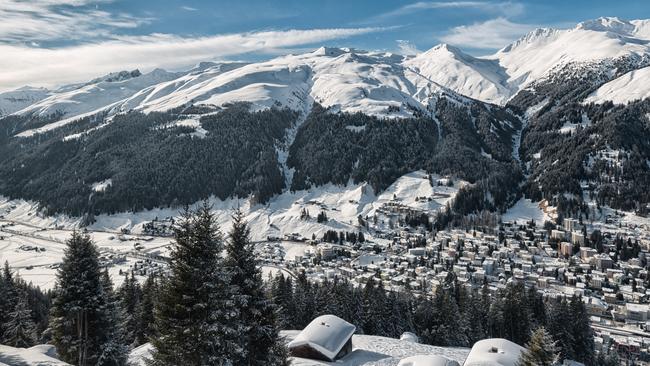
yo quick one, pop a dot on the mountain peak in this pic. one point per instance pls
(608, 24)
(532, 37)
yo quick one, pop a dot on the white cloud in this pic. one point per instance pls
(46, 20)
(491, 34)
(502, 8)
(189, 8)
(22, 65)
(407, 47)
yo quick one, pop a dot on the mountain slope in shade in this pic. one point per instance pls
(15, 100)
(624, 89)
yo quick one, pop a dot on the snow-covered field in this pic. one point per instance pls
(367, 351)
(282, 215)
(39, 355)
(525, 210)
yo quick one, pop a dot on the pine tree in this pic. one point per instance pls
(80, 319)
(145, 327)
(8, 296)
(114, 351)
(559, 322)
(130, 294)
(193, 313)
(583, 338)
(19, 330)
(258, 334)
(541, 350)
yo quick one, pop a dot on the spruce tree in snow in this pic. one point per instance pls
(8, 296)
(19, 330)
(145, 310)
(541, 350)
(114, 351)
(256, 326)
(193, 312)
(129, 294)
(583, 337)
(81, 320)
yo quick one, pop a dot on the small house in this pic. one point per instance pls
(326, 338)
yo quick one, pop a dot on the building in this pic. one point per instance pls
(494, 352)
(326, 338)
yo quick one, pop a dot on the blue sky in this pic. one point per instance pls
(57, 41)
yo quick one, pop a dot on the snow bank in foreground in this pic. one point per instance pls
(367, 351)
(40, 355)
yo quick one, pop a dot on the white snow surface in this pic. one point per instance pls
(540, 52)
(39, 355)
(494, 352)
(427, 360)
(15, 100)
(366, 351)
(525, 210)
(628, 87)
(327, 334)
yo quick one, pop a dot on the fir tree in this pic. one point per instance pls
(541, 350)
(256, 327)
(583, 337)
(193, 312)
(80, 319)
(8, 296)
(145, 310)
(114, 352)
(19, 330)
(130, 294)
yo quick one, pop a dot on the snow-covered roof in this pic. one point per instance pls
(494, 352)
(427, 360)
(409, 337)
(326, 334)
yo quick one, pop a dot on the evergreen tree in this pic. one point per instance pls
(145, 327)
(560, 322)
(130, 294)
(114, 351)
(8, 296)
(80, 319)
(541, 350)
(256, 328)
(583, 337)
(19, 330)
(193, 313)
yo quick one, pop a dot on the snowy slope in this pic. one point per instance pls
(624, 89)
(544, 50)
(366, 351)
(103, 94)
(448, 66)
(359, 81)
(15, 100)
(40, 355)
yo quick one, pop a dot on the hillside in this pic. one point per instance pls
(535, 118)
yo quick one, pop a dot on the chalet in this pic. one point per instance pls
(326, 338)
(494, 352)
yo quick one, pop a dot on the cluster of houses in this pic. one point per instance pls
(556, 260)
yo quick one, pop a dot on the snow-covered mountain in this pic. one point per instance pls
(352, 80)
(15, 100)
(626, 88)
(544, 51)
